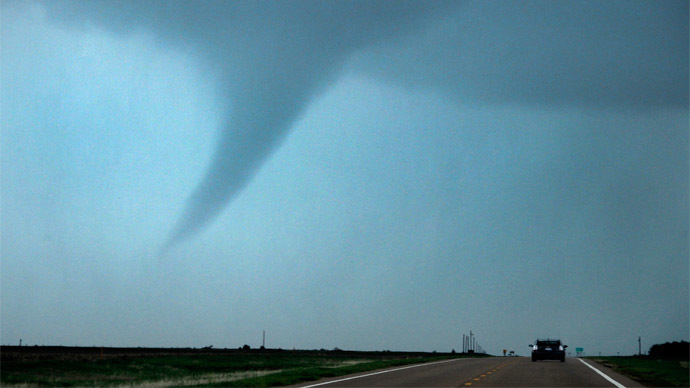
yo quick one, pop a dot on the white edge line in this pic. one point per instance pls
(612, 381)
(383, 371)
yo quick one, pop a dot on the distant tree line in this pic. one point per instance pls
(671, 350)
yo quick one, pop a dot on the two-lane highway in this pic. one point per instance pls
(487, 372)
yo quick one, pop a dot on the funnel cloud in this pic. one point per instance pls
(271, 59)
(295, 56)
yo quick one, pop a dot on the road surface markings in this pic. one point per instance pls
(481, 376)
(381, 372)
(612, 381)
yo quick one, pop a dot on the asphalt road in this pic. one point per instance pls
(486, 372)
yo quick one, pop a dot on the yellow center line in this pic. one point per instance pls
(481, 376)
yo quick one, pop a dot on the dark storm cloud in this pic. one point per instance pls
(272, 58)
(592, 53)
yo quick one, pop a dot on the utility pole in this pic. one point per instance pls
(639, 345)
(471, 343)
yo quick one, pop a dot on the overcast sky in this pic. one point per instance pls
(364, 175)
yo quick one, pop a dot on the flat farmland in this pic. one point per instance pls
(55, 366)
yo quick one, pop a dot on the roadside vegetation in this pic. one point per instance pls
(665, 366)
(202, 368)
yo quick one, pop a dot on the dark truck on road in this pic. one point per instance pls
(548, 349)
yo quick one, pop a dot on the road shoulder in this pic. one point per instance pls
(620, 378)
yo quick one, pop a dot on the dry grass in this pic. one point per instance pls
(206, 379)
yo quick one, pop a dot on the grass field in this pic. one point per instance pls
(650, 372)
(92, 367)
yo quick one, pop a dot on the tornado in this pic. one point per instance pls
(282, 55)
(271, 59)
